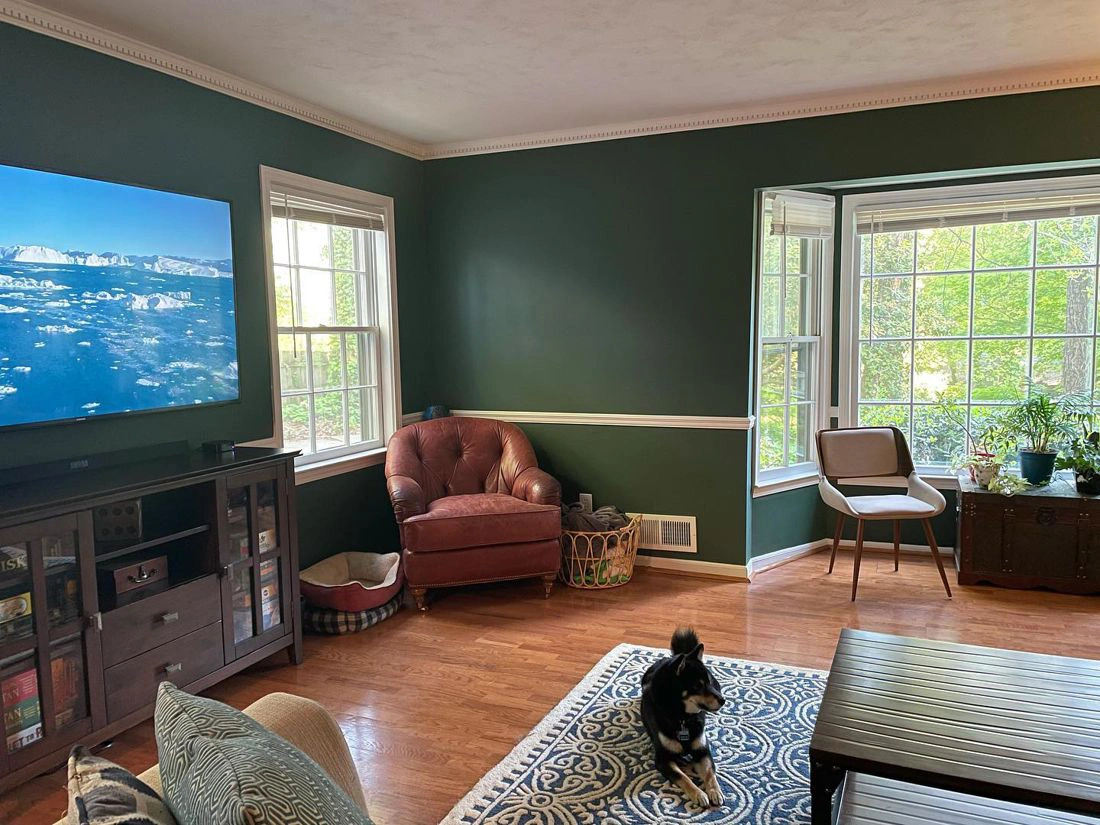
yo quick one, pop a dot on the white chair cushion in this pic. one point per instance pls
(893, 506)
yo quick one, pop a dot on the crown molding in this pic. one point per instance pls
(989, 85)
(62, 27)
(72, 30)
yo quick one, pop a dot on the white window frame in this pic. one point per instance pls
(766, 482)
(848, 365)
(326, 464)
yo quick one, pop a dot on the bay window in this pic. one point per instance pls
(959, 301)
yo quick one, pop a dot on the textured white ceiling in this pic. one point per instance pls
(440, 71)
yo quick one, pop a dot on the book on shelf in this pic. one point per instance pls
(22, 711)
(269, 593)
(67, 672)
(16, 614)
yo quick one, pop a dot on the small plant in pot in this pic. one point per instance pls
(1041, 423)
(1082, 455)
(986, 448)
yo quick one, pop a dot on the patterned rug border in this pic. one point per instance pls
(518, 759)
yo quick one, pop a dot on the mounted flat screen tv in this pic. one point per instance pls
(113, 299)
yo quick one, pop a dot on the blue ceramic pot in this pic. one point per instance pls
(1037, 468)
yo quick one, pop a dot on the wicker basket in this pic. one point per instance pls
(597, 561)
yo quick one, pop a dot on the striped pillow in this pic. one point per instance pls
(102, 793)
(221, 767)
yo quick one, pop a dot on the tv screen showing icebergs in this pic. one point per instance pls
(113, 299)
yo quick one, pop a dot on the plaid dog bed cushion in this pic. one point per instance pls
(333, 622)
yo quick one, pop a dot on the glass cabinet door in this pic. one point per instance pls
(47, 637)
(254, 560)
(17, 620)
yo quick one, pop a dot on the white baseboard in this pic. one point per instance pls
(694, 567)
(777, 558)
(785, 555)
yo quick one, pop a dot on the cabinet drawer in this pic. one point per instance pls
(131, 630)
(133, 684)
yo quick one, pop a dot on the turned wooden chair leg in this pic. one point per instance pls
(897, 543)
(548, 583)
(420, 594)
(859, 555)
(936, 554)
(840, 517)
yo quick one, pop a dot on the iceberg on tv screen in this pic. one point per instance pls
(113, 299)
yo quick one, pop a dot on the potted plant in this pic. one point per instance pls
(1082, 455)
(1041, 423)
(986, 449)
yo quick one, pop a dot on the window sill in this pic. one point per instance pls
(782, 485)
(317, 470)
(938, 480)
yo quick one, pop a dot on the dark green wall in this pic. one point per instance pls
(787, 519)
(73, 110)
(617, 276)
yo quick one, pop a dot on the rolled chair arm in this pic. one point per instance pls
(407, 497)
(923, 491)
(834, 498)
(537, 486)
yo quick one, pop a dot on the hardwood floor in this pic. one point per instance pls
(431, 702)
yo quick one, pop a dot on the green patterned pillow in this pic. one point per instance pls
(102, 793)
(220, 767)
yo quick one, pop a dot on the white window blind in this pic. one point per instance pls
(974, 213)
(802, 215)
(301, 206)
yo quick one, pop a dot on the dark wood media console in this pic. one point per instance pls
(182, 567)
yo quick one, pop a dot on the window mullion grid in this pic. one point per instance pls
(1031, 311)
(968, 401)
(332, 272)
(912, 342)
(1095, 311)
(312, 395)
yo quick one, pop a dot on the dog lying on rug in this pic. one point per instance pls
(677, 692)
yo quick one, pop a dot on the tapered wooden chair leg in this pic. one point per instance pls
(840, 517)
(936, 554)
(897, 543)
(859, 555)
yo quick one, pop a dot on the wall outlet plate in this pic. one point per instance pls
(586, 502)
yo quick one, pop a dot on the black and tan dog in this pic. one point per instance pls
(677, 693)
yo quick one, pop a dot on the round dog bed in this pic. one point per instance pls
(333, 622)
(353, 582)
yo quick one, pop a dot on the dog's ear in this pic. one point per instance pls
(698, 652)
(681, 660)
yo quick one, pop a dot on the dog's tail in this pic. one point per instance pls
(684, 640)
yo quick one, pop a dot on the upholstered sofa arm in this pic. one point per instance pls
(537, 486)
(308, 727)
(407, 496)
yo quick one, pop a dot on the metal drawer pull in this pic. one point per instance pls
(143, 575)
(173, 668)
(168, 618)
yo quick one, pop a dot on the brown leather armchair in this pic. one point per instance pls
(472, 505)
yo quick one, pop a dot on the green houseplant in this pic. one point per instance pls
(1041, 423)
(986, 448)
(1082, 455)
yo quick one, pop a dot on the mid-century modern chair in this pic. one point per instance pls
(875, 452)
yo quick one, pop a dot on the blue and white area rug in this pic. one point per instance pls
(590, 761)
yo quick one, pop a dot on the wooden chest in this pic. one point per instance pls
(1048, 537)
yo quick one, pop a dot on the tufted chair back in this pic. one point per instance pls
(460, 456)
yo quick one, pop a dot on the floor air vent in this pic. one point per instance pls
(675, 533)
